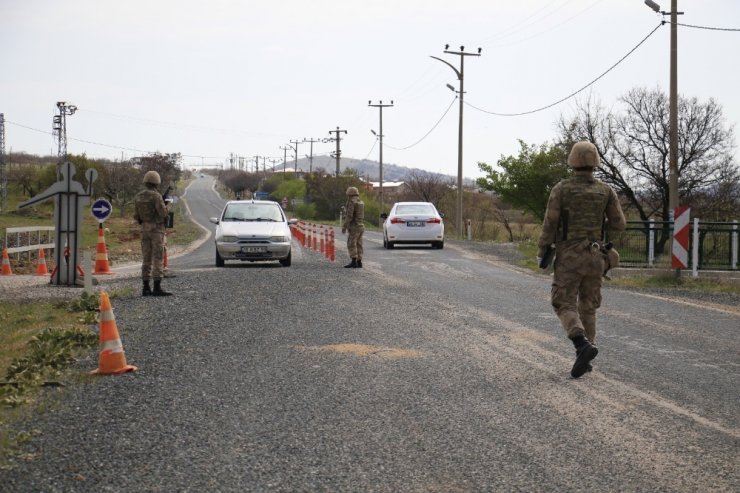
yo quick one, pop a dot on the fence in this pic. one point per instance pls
(712, 245)
(29, 239)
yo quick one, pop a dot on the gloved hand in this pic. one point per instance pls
(344, 230)
(539, 260)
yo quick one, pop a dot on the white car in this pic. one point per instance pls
(253, 230)
(413, 223)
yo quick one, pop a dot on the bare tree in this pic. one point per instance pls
(428, 187)
(120, 184)
(634, 147)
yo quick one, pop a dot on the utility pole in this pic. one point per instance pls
(60, 132)
(273, 162)
(3, 171)
(461, 77)
(285, 157)
(337, 139)
(295, 161)
(380, 106)
(310, 155)
(673, 199)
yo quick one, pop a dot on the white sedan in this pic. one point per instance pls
(413, 223)
(253, 230)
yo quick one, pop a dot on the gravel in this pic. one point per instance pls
(283, 412)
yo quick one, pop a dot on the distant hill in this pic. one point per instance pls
(367, 168)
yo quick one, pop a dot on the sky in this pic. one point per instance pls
(213, 78)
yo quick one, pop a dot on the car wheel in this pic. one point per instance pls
(219, 260)
(390, 245)
(439, 245)
(285, 262)
(385, 242)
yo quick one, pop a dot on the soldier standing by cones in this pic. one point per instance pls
(151, 213)
(577, 211)
(354, 225)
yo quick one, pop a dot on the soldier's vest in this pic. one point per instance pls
(145, 206)
(358, 217)
(583, 202)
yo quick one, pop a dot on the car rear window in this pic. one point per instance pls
(415, 209)
(253, 212)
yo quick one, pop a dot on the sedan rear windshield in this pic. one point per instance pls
(416, 209)
(253, 212)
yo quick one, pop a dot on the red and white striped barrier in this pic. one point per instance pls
(680, 250)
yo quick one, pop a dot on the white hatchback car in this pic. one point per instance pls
(253, 230)
(413, 223)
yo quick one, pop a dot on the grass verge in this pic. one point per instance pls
(38, 343)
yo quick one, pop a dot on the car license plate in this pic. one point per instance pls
(416, 224)
(248, 249)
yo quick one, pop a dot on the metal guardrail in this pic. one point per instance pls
(29, 239)
(712, 245)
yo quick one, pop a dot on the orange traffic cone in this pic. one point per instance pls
(6, 263)
(101, 254)
(112, 359)
(41, 269)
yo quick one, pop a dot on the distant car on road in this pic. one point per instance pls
(413, 223)
(253, 230)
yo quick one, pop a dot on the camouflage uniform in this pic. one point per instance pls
(574, 221)
(151, 213)
(354, 224)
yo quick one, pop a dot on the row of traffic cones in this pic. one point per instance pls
(102, 265)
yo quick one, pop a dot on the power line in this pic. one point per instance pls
(576, 92)
(111, 146)
(708, 28)
(430, 131)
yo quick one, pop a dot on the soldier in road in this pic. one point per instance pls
(354, 223)
(578, 210)
(151, 213)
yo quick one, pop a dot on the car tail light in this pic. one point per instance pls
(434, 220)
(397, 220)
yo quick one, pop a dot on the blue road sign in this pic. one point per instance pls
(101, 209)
(261, 195)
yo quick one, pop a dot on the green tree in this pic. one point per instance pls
(167, 165)
(328, 193)
(292, 189)
(525, 180)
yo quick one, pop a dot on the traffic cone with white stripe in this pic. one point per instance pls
(7, 271)
(41, 269)
(101, 254)
(112, 360)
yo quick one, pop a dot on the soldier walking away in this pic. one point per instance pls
(578, 211)
(151, 213)
(354, 224)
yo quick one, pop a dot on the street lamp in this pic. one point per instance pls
(460, 76)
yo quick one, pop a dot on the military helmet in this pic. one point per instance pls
(152, 177)
(584, 155)
(352, 191)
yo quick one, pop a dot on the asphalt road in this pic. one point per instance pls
(427, 370)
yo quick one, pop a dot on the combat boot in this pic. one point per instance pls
(351, 265)
(584, 355)
(158, 289)
(359, 264)
(147, 289)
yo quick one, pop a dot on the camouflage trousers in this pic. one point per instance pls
(152, 252)
(354, 241)
(576, 287)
